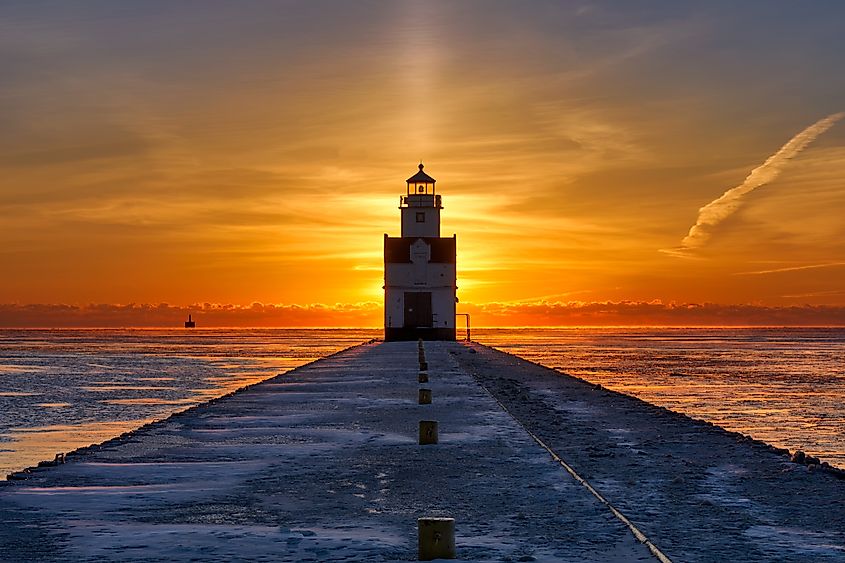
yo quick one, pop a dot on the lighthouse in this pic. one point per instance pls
(420, 278)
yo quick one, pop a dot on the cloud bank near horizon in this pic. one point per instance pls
(369, 314)
(712, 214)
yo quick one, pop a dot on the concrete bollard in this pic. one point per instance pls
(425, 396)
(423, 378)
(436, 538)
(428, 432)
(423, 366)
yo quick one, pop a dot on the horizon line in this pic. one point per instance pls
(481, 327)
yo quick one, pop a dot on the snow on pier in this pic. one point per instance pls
(323, 464)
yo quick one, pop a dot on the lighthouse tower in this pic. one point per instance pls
(419, 269)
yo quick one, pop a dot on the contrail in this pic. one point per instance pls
(791, 269)
(721, 208)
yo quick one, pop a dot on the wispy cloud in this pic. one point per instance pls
(363, 314)
(791, 269)
(650, 313)
(815, 294)
(368, 314)
(712, 214)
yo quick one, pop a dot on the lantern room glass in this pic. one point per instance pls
(420, 188)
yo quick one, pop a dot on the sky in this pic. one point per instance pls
(248, 156)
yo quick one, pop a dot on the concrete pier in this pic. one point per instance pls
(323, 464)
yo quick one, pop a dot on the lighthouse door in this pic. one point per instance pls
(418, 309)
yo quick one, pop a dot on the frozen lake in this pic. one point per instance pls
(785, 386)
(61, 389)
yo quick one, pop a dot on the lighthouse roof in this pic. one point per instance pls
(421, 177)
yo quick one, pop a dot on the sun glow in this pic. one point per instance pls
(266, 167)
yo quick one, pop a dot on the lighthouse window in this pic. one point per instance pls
(420, 217)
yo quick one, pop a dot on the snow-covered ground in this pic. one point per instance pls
(698, 492)
(320, 464)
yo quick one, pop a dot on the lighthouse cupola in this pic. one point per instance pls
(420, 206)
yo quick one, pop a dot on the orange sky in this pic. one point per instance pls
(203, 152)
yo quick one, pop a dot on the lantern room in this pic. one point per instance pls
(421, 183)
(420, 206)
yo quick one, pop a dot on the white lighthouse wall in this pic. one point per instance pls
(420, 265)
(420, 277)
(442, 305)
(394, 307)
(430, 227)
(437, 278)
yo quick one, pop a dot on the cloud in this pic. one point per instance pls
(206, 314)
(369, 314)
(650, 313)
(712, 214)
(815, 294)
(791, 269)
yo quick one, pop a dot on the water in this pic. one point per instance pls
(783, 386)
(62, 389)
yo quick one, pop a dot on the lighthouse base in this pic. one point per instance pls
(417, 333)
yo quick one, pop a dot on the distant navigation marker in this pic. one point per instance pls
(190, 322)
(420, 279)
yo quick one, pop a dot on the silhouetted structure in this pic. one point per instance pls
(190, 322)
(420, 279)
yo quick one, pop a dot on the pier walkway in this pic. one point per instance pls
(323, 464)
